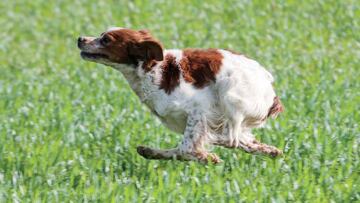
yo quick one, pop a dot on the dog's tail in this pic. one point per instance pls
(276, 108)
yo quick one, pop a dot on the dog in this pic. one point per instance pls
(211, 96)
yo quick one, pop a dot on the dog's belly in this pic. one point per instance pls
(171, 114)
(175, 121)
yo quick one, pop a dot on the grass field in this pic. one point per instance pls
(69, 128)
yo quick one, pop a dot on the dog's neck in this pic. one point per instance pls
(129, 72)
(135, 73)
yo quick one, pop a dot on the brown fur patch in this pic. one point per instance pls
(276, 108)
(118, 42)
(147, 65)
(126, 46)
(170, 74)
(200, 67)
(274, 111)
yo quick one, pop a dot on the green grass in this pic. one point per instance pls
(69, 128)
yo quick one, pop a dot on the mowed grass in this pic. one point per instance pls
(69, 128)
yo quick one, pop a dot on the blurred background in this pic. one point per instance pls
(69, 128)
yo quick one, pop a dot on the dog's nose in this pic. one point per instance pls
(80, 40)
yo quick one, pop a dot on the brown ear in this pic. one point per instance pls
(147, 50)
(154, 50)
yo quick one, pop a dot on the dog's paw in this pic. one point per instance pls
(145, 152)
(206, 157)
(266, 149)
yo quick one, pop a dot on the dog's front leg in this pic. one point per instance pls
(196, 137)
(191, 148)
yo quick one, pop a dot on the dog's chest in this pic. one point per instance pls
(169, 108)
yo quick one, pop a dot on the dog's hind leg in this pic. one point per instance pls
(253, 147)
(191, 148)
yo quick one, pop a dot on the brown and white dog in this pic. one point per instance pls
(211, 96)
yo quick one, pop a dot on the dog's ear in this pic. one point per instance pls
(153, 50)
(147, 50)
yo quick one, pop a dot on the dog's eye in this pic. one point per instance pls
(104, 41)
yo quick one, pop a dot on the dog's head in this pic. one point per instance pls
(120, 46)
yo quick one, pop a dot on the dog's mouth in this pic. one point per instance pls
(93, 56)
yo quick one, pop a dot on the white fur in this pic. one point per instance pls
(242, 90)
(221, 113)
(114, 28)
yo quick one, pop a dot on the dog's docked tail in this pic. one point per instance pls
(276, 108)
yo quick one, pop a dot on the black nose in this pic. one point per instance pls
(80, 41)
